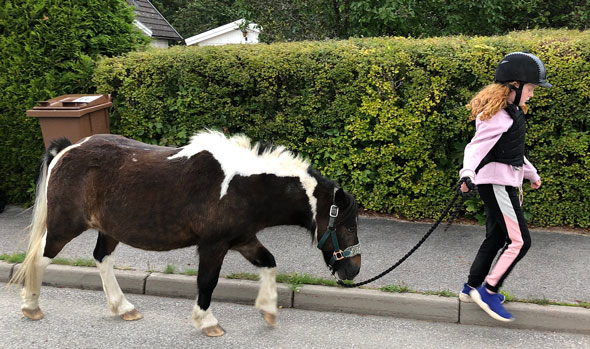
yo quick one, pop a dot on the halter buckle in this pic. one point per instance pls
(334, 211)
(338, 255)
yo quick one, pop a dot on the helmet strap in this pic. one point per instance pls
(518, 91)
(518, 94)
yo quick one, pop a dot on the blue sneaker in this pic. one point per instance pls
(490, 304)
(465, 297)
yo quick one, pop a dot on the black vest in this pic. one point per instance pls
(510, 147)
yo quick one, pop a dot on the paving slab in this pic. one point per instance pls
(5, 271)
(532, 316)
(373, 302)
(171, 285)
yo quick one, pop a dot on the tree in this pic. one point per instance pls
(295, 20)
(191, 17)
(452, 17)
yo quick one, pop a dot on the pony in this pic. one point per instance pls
(217, 193)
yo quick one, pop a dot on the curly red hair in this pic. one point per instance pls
(490, 100)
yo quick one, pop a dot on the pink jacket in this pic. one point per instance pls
(487, 133)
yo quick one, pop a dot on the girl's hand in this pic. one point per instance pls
(464, 187)
(536, 185)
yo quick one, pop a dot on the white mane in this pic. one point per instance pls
(237, 156)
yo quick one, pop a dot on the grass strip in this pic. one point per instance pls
(297, 280)
(13, 258)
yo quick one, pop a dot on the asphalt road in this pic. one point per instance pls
(556, 267)
(80, 319)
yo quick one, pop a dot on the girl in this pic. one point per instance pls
(494, 161)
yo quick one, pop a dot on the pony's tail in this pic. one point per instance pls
(27, 270)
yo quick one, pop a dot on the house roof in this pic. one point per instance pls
(149, 16)
(219, 31)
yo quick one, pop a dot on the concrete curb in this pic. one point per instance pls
(323, 298)
(227, 290)
(373, 302)
(5, 271)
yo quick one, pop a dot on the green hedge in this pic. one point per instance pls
(47, 49)
(385, 117)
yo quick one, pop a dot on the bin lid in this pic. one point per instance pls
(70, 106)
(72, 102)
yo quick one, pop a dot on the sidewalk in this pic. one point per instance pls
(324, 298)
(554, 270)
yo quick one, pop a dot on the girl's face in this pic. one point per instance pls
(527, 93)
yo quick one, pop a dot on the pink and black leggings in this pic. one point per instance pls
(506, 230)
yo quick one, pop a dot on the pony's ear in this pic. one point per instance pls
(340, 198)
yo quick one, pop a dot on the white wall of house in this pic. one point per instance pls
(226, 34)
(233, 37)
(159, 43)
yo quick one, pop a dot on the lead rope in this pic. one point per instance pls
(455, 212)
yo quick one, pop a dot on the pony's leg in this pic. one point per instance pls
(266, 301)
(210, 260)
(52, 242)
(32, 285)
(116, 300)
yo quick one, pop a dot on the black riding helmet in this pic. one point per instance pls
(522, 67)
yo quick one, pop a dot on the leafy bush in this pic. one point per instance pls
(385, 117)
(191, 17)
(48, 48)
(451, 17)
(296, 20)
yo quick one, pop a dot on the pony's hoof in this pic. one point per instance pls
(213, 331)
(131, 315)
(33, 314)
(270, 319)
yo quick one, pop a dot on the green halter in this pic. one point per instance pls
(338, 254)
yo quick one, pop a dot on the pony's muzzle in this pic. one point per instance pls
(348, 268)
